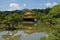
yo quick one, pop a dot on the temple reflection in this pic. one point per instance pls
(29, 30)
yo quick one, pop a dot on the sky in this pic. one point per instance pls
(9, 5)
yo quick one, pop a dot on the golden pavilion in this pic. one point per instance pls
(29, 16)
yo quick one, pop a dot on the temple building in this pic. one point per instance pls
(29, 17)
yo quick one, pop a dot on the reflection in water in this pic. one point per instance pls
(11, 35)
(27, 33)
(30, 30)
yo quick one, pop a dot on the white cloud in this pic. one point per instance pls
(51, 4)
(48, 4)
(24, 5)
(13, 6)
(55, 3)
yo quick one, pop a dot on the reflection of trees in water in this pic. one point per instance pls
(33, 29)
(12, 35)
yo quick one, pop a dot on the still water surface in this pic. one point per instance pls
(30, 33)
(21, 35)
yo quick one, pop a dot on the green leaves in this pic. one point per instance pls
(55, 11)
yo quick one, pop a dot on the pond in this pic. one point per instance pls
(21, 35)
(27, 32)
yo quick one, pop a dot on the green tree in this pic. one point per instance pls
(53, 16)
